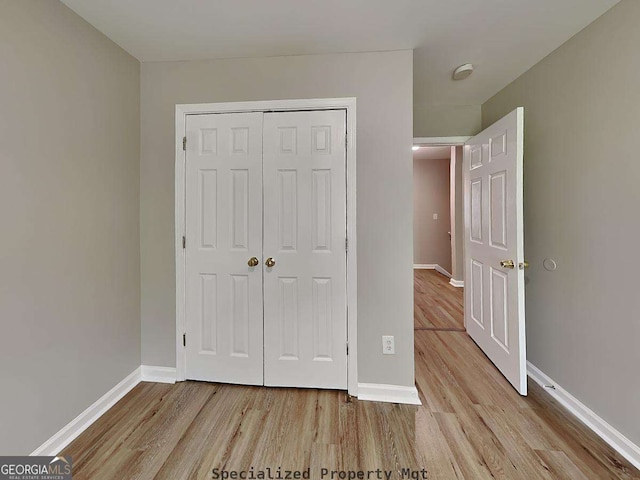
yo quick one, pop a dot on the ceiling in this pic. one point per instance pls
(502, 38)
(432, 153)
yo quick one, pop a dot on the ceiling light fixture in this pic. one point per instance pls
(463, 71)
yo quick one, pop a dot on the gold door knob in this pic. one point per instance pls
(523, 265)
(508, 264)
(253, 262)
(270, 262)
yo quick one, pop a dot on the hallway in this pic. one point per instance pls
(437, 304)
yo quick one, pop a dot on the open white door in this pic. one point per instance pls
(494, 247)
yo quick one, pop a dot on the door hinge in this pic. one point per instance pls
(346, 244)
(346, 139)
(347, 348)
(184, 143)
(184, 339)
(184, 242)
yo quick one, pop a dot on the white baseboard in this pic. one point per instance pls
(388, 393)
(151, 373)
(424, 266)
(441, 270)
(609, 434)
(70, 432)
(457, 283)
(431, 266)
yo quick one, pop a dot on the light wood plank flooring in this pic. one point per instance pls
(437, 304)
(472, 425)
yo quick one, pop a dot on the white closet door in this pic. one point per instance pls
(305, 309)
(494, 271)
(223, 231)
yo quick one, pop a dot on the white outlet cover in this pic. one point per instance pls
(435, 216)
(388, 345)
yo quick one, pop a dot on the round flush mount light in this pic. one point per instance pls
(415, 147)
(463, 71)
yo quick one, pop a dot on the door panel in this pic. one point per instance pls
(223, 230)
(494, 297)
(304, 231)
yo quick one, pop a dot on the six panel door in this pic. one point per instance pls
(224, 230)
(494, 247)
(305, 310)
(259, 186)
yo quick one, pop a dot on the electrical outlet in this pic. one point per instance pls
(435, 216)
(388, 345)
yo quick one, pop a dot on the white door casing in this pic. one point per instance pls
(223, 209)
(494, 293)
(305, 301)
(305, 184)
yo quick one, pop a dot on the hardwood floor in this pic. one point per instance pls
(437, 304)
(471, 425)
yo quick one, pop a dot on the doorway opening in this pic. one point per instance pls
(492, 242)
(438, 239)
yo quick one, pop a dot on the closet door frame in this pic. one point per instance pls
(347, 104)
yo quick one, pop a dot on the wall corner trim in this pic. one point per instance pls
(431, 266)
(375, 392)
(155, 374)
(75, 427)
(609, 434)
(457, 283)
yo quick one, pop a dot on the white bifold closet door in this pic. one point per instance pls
(305, 308)
(269, 186)
(223, 231)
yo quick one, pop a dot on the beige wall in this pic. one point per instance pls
(446, 120)
(581, 199)
(382, 83)
(431, 194)
(69, 202)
